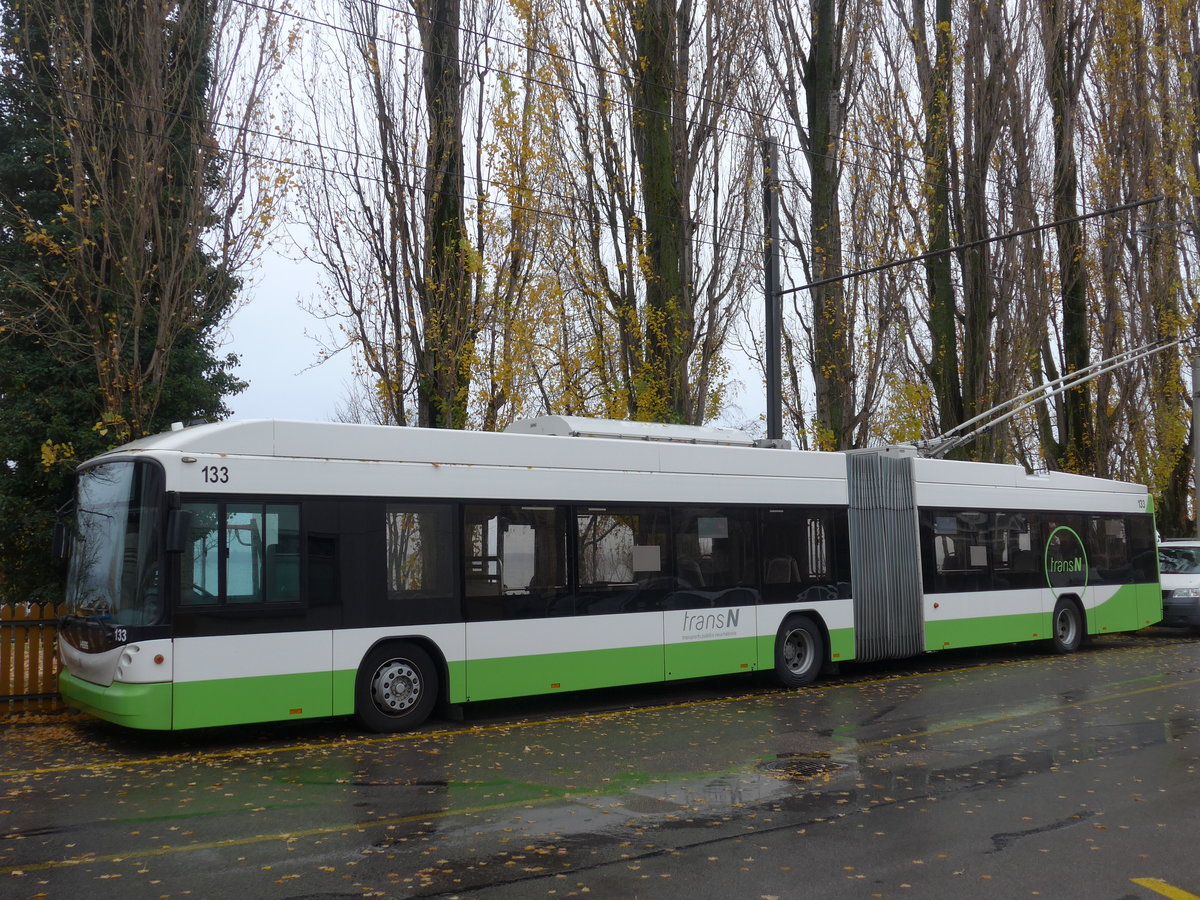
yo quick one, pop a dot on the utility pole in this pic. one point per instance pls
(1196, 434)
(774, 301)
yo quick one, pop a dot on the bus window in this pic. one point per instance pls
(420, 542)
(323, 570)
(1015, 562)
(962, 545)
(262, 559)
(798, 547)
(242, 553)
(1143, 549)
(202, 556)
(715, 560)
(1108, 550)
(623, 559)
(1066, 554)
(515, 561)
(714, 549)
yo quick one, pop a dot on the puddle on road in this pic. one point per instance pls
(800, 766)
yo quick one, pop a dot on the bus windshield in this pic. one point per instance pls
(114, 565)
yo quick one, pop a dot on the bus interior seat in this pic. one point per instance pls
(1023, 561)
(783, 570)
(689, 571)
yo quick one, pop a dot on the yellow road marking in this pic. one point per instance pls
(1161, 887)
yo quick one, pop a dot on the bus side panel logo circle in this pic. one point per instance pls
(1066, 562)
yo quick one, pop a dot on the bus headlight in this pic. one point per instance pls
(128, 655)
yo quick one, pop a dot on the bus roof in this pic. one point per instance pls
(582, 444)
(568, 443)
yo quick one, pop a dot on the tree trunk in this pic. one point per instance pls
(445, 357)
(943, 321)
(833, 370)
(664, 392)
(1066, 55)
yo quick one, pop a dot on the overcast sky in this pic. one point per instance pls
(276, 339)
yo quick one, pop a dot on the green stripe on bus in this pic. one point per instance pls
(982, 630)
(696, 659)
(1131, 607)
(517, 676)
(132, 705)
(841, 644)
(235, 701)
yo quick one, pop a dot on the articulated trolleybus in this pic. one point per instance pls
(268, 570)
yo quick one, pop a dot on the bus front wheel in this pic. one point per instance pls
(799, 652)
(1067, 627)
(397, 687)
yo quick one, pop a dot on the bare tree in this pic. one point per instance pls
(434, 215)
(814, 54)
(659, 196)
(166, 199)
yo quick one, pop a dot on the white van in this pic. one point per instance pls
(1179, 566)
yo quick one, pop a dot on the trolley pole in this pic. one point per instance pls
(774, 303)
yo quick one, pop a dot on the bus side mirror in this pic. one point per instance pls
(62, 540)
(179, 530)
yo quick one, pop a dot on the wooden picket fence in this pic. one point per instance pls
(28, 661)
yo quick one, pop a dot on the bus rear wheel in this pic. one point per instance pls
(397, 687)
(1066, 627)
(799, 652)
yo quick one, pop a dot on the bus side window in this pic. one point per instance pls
(200, 563)
(243, 554)
(420, 551)
(516, 562)
(1014, 561)
(1108, 551)
(623, 559)
(1143, 549)
(281, 583)
(962, 546)
(798, 556)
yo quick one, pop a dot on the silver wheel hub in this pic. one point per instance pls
(1066, 626)
(396, 686)
(798, 651)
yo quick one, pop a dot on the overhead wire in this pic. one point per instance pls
(489, 182)
(601, 70)
(410, 165)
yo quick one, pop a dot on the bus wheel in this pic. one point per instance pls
(397, 687)
(799, 652)
(1067, 627)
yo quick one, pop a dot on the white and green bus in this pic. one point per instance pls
(267, 570)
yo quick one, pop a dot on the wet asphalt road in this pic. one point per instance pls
(1014, 774)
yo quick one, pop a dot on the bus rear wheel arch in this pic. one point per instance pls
(397, 687)
(1067, 628)
(800, 651)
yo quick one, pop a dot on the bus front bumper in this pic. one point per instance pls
(146, 706)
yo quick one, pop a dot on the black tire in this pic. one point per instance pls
(799, 652)
(397, 687)
(1066, 627)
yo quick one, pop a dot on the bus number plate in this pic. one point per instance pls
(216, 475)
